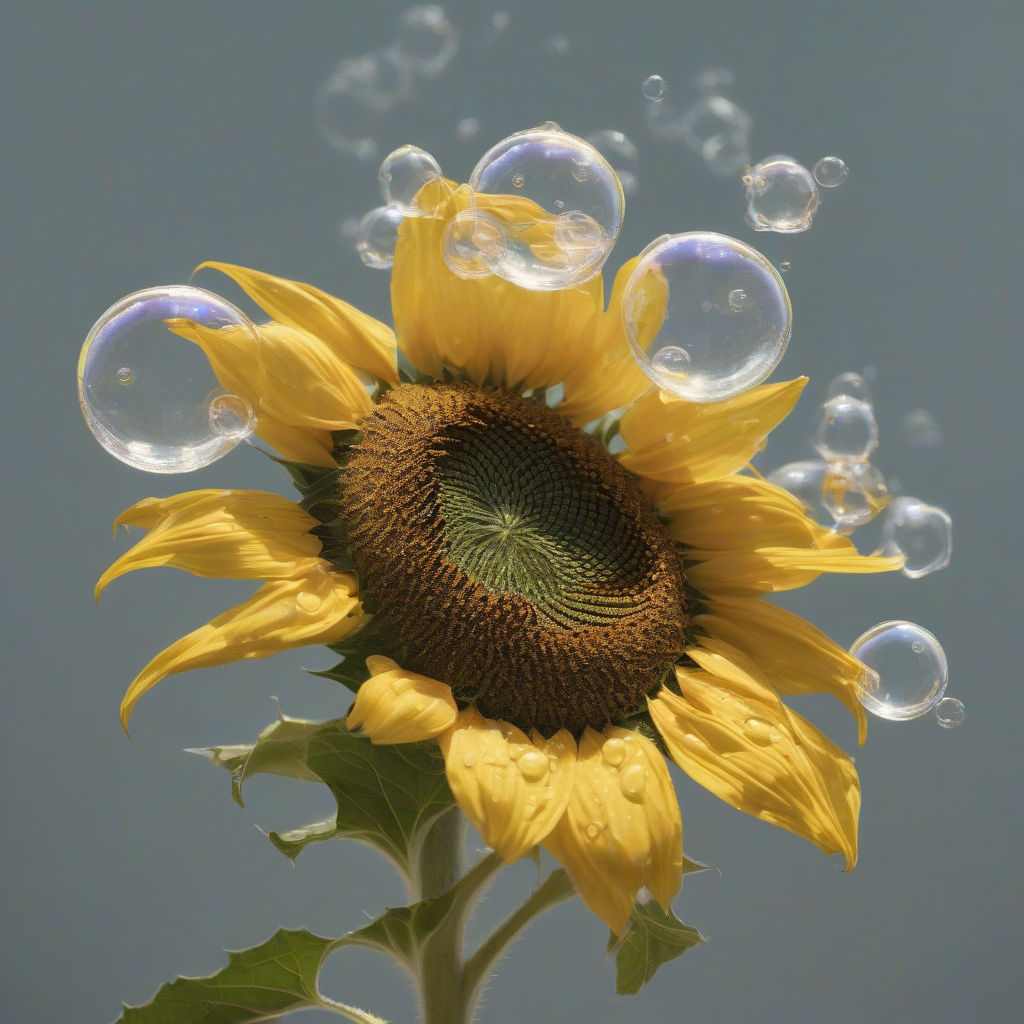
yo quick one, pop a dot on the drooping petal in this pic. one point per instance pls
(353, 337)
(512, 787)
(238, 535)
(672, 440)
(794, 656)
(310, 447)
(396, 706)
(733, 735)
(281, 615)
(622, 829)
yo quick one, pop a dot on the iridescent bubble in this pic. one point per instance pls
(621, 154)
(467, 129)
(921, 429)
(377, 237)
(426, 40)
(852, 384)
(806, 482)
(854, 493)
(403, 174)
(830, 171)
(473, 244)
(561, 211)
(922, 533)
(150, 396)
(781, 196)
(654, 88)
(950, 713)
(713, 80)
(908, 670)
(677, 299)
(557, 45)
(844, 428)
(720, 131)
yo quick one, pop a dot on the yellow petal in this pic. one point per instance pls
(622, 829)
(310, 447)
(794, 656)
(395, 706)
(773, 569)
(676, 441)
(238, 535)
(354, 337)
(512, 787)
(281, 615)
(733, 735)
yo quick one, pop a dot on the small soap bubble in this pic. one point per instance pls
(377, 237)
(348, 229)
(473, 244)
(854, 493)
(501, 20)
(617, 149)
(895, 484)
(403, 174)
(781, 196)
(677, 299)
(655, 88)
(869, 373)
(426, 40)
(922, 533)
(560, 189)
(174, 417)
(830, 171)
(557, 45)
(713, 80)
(908, 670)
(720, 131)
(737, 300)
(950, 713)
(467, 129)
(806, 482)
(844, 428)
(852, 384)
(785, 266)
(921, 429)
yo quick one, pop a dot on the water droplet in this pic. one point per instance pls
(613, 751)
(557, 45)
(470, 756)
(632, 782)
(785, 266)
(713, 80)
(473, 244)
(844, 428)
(830, 171)
(854, 493)
(231, 415)
(593, 830)
(922, 533)
(307, 601)
(694, 743)
(908, 670)
(921, 429)
(852, 384)
(622, 155)
(787, 200)
(534, 765)
(737, 300)
(726, 351)
(402, 176)
(467, 129)
(950, 713)
(161, 423)
(377, 237)
(655, 88)
(759, 731)
(426, 40)
(539, 167)
(805, 481)
(719, 130)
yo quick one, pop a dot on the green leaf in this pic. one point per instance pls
(294, 841)
(653, 938)
(258, 984)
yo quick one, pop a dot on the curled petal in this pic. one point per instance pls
(622, 829)
(396, 706)
(512, 787)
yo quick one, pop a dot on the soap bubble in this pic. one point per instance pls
(950, 713)
(922, 533)
(684, 332)
(426, 40)
(559, 202)
(149, 396)
(720, 131)
(467, 128)
(655, 88)
(473, 244)
(921, 429)
(377, 237)
(621, 154)
(806, 482)
(348, 229)
(908, 670)
(402, 174)
(501, 20)
(713, 80)
(830, 171)
(844, 428)
(854, 493)
(852, 384)
(785, 266)
(558, 44)
(781, 196)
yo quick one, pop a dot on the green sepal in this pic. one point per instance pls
(259, 984)
(294, 841)
(651, 938)
(351, 671)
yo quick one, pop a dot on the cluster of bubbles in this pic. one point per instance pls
(350, 103)
(783, 196)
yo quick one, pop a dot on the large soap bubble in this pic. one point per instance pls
(151, 397)
(617, 149)
(706, 315)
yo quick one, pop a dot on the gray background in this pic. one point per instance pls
(140, 139)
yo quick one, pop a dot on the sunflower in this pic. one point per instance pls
(560, 593)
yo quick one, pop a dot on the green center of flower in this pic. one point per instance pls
(507, 554)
